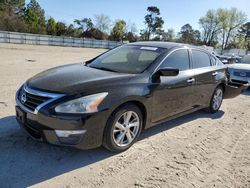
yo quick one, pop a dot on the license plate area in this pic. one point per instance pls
(20, 115)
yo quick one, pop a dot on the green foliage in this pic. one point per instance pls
(11, 15)
(221, 25)
(244, 32)
(61, 29)
(34, 17)
(144, 34)
(131, 37)
(51, 26)
(189, 36)
(153, 21)
(210, 26)
(169, 35)
(119, 30)
(85, 24)
(96, 34)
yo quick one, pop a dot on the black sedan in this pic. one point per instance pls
(110, 99)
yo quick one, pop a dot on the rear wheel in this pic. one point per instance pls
(123, 128)
(216, 100)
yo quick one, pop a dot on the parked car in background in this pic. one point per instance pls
(110, 99)
(229, 59)
(240, 72)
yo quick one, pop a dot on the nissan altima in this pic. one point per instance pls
(110, 99)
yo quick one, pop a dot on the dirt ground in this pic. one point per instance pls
(197, 150)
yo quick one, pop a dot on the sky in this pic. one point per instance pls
(175, 13)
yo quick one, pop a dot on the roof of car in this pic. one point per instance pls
(167, 45)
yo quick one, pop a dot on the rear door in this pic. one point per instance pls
(207, 76)
(174, 94)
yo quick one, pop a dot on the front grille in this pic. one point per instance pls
(31, 101)
(238, 73)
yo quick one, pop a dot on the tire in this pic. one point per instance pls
(121, 132)
(216, 100)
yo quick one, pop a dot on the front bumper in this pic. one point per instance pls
(79, 131)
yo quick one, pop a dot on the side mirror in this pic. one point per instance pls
(168, 72)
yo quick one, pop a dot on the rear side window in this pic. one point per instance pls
(215, 61)
(178, 59)
(201, 59)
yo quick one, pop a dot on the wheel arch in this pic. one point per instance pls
(140, 105)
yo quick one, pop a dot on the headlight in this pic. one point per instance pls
(87, 104)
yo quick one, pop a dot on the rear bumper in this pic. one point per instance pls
(234, 89)
(83, 131)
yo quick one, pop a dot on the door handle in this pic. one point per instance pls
(191, 80)
(215, 73)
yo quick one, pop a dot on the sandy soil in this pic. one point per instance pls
(197, 150)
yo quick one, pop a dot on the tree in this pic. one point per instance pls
(131, 32)
(51, 26)
(119, 30)
(245, 32)
(223, 15)
(188, 35)
(35, 19)
(153, 21)
(85, 24)
(131, 27)
(71, 31)
(15, 6)
(96, 34)
(143, 34)
(223, 24)
(102, 23)
(210, 25)
(131, 37)
(169, 35)
(12, 15)
(235, 20)
(61, 29)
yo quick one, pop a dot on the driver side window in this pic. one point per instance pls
(178, 59)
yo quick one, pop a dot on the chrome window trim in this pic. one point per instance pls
(53, 96)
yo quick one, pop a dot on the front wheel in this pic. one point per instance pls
(123, 128)
(216, 100)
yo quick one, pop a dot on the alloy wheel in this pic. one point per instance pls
(217, 99)
(126, 128)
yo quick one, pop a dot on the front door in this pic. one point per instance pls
(174, 94)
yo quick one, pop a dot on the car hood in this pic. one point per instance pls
(240, 66)
(74, 78)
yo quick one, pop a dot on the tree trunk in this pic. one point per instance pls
(227, 38)
(149, 33)
(223, 42)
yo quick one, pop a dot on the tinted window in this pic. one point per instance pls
(213, 61)
(178, 59)
(201, 59)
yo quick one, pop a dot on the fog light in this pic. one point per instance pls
(68, 133)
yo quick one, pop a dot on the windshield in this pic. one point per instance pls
(127, 59)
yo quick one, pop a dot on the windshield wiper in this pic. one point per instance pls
(103, 68)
